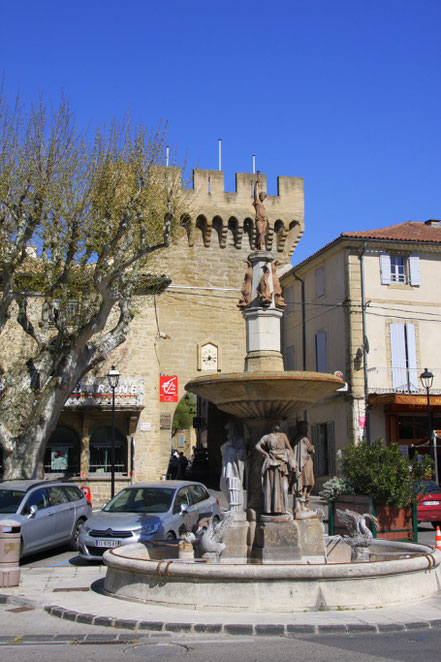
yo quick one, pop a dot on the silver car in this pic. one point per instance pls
(50, 512)
(144, 512)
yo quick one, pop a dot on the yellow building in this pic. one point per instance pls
(369, 306)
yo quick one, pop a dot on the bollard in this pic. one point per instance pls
(9, 553)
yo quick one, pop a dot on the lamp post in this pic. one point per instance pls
(113, 379)
(427, 381)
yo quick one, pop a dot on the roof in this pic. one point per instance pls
(408, 231)
(423, 232)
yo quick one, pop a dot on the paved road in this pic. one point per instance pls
(405, 647)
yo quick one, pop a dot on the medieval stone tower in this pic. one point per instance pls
(207, 264)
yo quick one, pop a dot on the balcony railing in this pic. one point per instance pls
(401, 380)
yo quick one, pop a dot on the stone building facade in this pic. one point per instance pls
(191, 328)
(368, 305)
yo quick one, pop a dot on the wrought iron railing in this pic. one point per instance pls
(401, 380)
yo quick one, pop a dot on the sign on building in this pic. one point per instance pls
(168, 388)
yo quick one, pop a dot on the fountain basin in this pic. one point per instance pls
(240, 587)
(265, 394)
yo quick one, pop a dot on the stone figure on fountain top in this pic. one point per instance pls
(233, 458)
(262, 226)
(304, 478)
(278, 463)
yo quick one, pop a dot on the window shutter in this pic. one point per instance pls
(320, 351)
(315, 443)
(289, 358)
(385, 268)
(411, 357)
(331, 447)
(288, 295)
(319, 282)
(414, 270)
(398, 357)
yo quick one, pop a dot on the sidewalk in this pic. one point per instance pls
(76, 593)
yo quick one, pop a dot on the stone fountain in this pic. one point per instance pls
(274, 560)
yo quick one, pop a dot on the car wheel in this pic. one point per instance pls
(435, 524)
(170, 536)
(74, 541)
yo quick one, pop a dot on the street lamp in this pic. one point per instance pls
(113, 379)
(427, 381)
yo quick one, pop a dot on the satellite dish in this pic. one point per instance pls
(366, 345)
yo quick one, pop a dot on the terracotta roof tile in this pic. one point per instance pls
(408, 231)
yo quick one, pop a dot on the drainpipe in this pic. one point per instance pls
(365, 348)
(302, 283)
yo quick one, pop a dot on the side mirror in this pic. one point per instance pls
(184, 508)
(32, 511)
(103, 506)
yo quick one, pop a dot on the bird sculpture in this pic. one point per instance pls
(208, 536)
(360, 535)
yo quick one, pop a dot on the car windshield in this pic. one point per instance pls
(10, 500)
(141, 500)
(426, 487)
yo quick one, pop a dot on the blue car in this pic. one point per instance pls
(50, 512)
(155, 510)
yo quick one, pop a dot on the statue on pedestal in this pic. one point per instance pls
(262, 225)
(278, 464)
(304, 480)
(245, 301)
(233, 457)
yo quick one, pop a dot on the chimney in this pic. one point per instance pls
(433, 223)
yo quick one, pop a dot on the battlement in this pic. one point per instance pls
(210, 207)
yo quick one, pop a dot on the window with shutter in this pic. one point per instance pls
(403, 357)
(320, 351)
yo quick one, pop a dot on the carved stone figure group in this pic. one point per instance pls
(285, 466)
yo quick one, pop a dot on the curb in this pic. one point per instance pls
(168, 628)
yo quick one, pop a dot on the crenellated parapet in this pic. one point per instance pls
(221, 216)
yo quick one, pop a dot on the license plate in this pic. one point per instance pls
(431, 503)
(107, 543)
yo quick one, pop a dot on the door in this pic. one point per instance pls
(64, 514)
(38, 529)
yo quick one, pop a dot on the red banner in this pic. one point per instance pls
(168, 388)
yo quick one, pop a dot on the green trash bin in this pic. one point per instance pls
(10, 532)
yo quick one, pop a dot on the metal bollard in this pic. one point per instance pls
(9, 553)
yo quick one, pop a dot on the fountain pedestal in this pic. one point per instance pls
(280, 539)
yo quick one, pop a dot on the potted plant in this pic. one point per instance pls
(377, 479)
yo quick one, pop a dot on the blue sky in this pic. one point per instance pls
(345, 93)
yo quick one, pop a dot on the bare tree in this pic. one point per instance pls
(81, 222)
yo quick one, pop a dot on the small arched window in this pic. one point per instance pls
(62, 454)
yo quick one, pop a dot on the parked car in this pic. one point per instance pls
(50, 512)
(428, 497)
(145, 512)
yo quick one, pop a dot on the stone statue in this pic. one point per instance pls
(233, 456)
(304, 480)
(278, 298)
(264, 288)
(262, 226)
(277, 465)
(245, 301)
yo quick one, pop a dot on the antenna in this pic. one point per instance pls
(254, 164)
(220, 153)
(167, 154)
